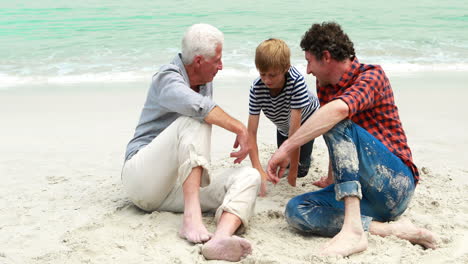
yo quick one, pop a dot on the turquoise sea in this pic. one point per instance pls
(48, 41)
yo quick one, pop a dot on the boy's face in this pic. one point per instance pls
(273, 78)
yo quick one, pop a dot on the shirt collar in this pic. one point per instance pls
(349, 76)
(177, 61)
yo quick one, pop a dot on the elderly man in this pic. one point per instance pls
(165, 162)
(374, 175)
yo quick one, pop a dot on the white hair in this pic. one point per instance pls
(200, 39)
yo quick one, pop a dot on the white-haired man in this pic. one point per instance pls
(165, 162)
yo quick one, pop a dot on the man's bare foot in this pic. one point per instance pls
(194, 230)
(404, 229)
(323, 182)
(230, 248)
(345, 243)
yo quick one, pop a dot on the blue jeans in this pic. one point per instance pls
(304, 156)
(362, 167)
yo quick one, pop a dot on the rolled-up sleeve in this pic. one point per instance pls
(175, 95)
(362, 94)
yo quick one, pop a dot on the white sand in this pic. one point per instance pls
(61, 199)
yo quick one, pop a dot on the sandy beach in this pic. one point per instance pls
(61, 198)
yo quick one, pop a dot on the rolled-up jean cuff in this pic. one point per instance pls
(349, 188)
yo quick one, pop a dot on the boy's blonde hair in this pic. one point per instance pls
(272, 54)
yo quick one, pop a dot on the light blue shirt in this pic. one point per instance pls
(169, 97)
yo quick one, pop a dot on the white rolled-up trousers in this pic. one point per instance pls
(154, 176)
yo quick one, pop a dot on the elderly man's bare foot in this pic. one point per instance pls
(230, 248)
(345, 243)
(404, 229)
(194, 231)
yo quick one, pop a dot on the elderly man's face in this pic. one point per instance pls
(210, 67)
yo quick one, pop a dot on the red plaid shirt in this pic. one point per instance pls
(369, 96)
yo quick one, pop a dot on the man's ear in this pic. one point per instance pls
(326, 56)
(197, 60)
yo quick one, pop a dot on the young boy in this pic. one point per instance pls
(281, 93)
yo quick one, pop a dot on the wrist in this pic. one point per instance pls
(240, 129)
(286, 147)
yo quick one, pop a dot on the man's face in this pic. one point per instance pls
(317, 68)
(273, 78)
(210, 67)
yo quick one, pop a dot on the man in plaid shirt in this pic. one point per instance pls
(374, 175)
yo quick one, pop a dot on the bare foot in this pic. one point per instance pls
(345, 243)
(323, 182)
(230, 248)
(404, 229)
(194, 231)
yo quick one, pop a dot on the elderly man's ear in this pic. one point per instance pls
(197, 60)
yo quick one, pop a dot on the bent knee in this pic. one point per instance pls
(292, 213)
(338, 129)
(253, 175)
(247, 174)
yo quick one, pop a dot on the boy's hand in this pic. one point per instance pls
(263, 185)
(292, 176)
(263, 188)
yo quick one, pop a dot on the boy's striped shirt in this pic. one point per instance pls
(294, 95)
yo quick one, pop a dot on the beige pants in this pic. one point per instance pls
(154, 176)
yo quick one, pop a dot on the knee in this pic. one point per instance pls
(192, 126)
(243, 178)
(251, 175)
(338, 129)
(292, 213)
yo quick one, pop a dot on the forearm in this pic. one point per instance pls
(319, 123)
(294, 165)
(295, 123)
(253, 154)
(220, 118)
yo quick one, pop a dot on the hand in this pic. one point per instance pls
(277, 166)
(263, 185)
(242, 140)
(292, 176)
(263, 189)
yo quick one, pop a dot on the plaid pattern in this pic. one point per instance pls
(369, 96)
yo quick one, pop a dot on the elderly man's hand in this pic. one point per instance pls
(277, 165)
(242, 140)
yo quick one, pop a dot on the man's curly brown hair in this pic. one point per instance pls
(328, 36)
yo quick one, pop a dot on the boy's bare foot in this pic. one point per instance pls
(323, 182)
(230, 248)
(345, 243)
(194, 231)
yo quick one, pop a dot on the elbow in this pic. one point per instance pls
(341, 109)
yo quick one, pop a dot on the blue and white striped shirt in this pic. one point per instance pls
(294, 95)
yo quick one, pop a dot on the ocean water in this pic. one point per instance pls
(55, 42)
